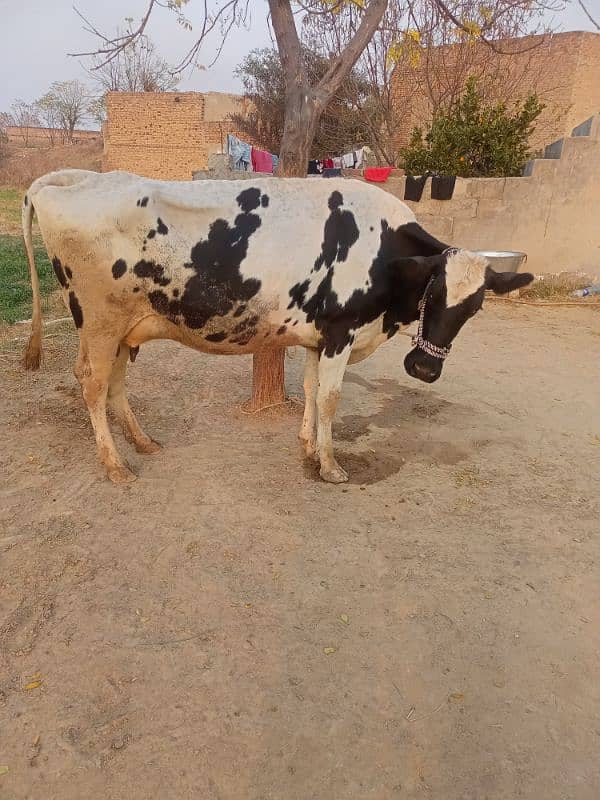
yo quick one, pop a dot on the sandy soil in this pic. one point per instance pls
(231, 628)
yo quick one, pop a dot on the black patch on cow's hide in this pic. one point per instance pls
(59, 272)
(135, 289)
(239, 310)
(161, 227)
(287, 319)
(396, 283)
(151, 233)
(216, 337)
(175, 292)
(68, 272)
(25, 200)
(75, 310)
(133, 353)
(143, 202)
(281, 330)
(340, 233)
(216, 285)
(150, 269)
(119, 268)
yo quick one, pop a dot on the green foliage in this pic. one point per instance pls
(474, 139)
(15, 287)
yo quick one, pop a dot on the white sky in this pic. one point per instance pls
(35, 36)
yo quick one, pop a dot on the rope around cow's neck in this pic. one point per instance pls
(419, 341)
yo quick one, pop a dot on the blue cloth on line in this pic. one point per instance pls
(240, 152)
(275, 160)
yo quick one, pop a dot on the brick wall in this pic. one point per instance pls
(562, 69)
(166, 135)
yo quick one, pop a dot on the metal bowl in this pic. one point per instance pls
(503, 260)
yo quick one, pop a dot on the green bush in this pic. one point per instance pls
(474, 139)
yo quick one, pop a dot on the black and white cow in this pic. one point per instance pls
(336, 266)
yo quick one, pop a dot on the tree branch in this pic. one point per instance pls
(114, 46)
(345, 61)
(588, 15)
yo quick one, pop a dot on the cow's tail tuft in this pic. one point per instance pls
(33, 352)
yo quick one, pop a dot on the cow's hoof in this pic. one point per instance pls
(121, 475)
(147, 446)
(335, 475)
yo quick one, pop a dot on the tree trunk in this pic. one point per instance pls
(301, 118)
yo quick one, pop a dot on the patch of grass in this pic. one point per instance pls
(555, 287)
(10, 209)
(15, 288)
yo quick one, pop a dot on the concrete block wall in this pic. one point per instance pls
(553, 215)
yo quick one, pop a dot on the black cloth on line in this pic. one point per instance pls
(442, 187)
(413, 188)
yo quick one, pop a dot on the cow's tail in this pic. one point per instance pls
(33, 352)
(64, 177)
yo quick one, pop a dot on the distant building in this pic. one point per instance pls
(167, 135)
(37, 136)
(562, 68)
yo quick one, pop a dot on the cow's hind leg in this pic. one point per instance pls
(119, 405)
(331, 375)
(93, 369)
(308, 431)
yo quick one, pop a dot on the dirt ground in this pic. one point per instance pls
(231, 628)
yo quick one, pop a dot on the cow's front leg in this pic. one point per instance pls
(331, 375)
(308, 431)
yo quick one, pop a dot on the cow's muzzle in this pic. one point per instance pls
(423, 366)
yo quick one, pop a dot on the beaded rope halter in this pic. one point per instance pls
(418, 341)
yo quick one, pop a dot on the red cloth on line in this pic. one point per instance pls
(328, 163)
(261, 161)
(377, 174)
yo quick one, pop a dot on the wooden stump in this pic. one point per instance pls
(268, 379)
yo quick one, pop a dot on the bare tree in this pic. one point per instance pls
(49, 117)
(67, 102)
(419, 59)
(137, 68)
(24, 116)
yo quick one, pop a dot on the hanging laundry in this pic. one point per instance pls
(240, 152)
(358, 157)
(337, 162)
(262, 161)
(442, 187)
(348, 160)
(328, 163)
(332, 172)
(315, 167)
(413, 188)
(275, 160)
(377, 174)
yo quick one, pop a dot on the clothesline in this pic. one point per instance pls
(246, 158)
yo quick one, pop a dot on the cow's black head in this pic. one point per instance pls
(455, 293)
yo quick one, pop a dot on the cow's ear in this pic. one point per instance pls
(505, 282)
